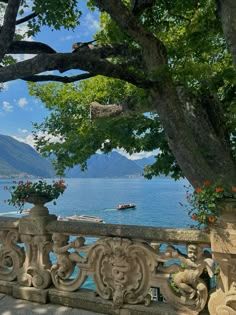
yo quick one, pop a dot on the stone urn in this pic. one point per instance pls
(223, 244)
(39, 201)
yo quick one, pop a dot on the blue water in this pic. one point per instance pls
(158, 200)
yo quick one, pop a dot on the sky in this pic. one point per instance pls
(18, 110)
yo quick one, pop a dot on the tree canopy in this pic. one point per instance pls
(168, 66)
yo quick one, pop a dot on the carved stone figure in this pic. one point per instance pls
(67, 261)
(188, 280)
(188, 293)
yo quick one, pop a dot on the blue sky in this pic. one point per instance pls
(18, 110)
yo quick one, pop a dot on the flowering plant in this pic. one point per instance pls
(22, 191)
(203, 202)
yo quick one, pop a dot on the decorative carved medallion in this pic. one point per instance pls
(122, 270)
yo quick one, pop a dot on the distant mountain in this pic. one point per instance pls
(20, 159)
(107, 165)
(145, 161)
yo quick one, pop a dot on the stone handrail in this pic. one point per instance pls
(43, 260)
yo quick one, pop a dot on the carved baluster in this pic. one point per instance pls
(35, 271)
(12, 256)
(67, 261)
(223, 244)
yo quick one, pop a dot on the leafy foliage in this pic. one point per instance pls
(22, 191)
(202, 203)
(75, 136)
(55, 14)
(198, 61)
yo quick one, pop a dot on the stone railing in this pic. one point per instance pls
(45, 260)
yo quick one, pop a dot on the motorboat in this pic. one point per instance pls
(26, 211)
(87, 218)
(123, 206)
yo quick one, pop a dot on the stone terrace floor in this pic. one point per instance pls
(12, 306)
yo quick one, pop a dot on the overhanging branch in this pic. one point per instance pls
(25, 47)
(84, 61)
(26, 18)
(8, 29)
(56, 78)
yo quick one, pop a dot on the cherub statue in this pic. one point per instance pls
(65, 260)
(187, 280)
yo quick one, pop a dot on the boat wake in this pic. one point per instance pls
(10, 212)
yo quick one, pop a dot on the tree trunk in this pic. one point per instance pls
(197, 142)
(227, 13)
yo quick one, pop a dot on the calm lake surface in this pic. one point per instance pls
(158, 200)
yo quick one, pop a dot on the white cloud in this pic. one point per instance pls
(28, 140)
(23, 130)
(69, 37)
(7, 107)
(22, 102)
(28, 137)
(91, 22)
(138, 156)
(5, 86)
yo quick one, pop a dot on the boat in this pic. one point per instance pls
(26, 211)
(123, 206)
(87, 218)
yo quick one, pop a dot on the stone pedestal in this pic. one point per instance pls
(223, 245)
(38, 243)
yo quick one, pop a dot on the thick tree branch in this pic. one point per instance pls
(8, 29)
(150, 45)
(85, 61)
(138, 6)
(24, 47)
(57, 78)
(227, 13)
(26, 18)
(100, 111)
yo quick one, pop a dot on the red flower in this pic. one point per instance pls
(207, 183)
(198, 190)
(219, 189)
(233, 189)
(211, 219)
(194, 216)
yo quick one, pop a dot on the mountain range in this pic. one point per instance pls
(18, 159)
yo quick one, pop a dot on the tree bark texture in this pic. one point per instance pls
(227, 13)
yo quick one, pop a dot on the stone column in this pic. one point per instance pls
(38, 244)
(223, 244)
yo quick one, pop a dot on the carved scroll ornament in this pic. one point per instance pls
(35, 271)
(12, 256)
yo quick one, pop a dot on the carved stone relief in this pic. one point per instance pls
(187, 292)
(35, 271)
(12, 256)
(223, 244)
(67, 261)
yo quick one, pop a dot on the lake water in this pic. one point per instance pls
(158, 200)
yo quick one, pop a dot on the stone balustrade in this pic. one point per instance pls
(45, 260)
